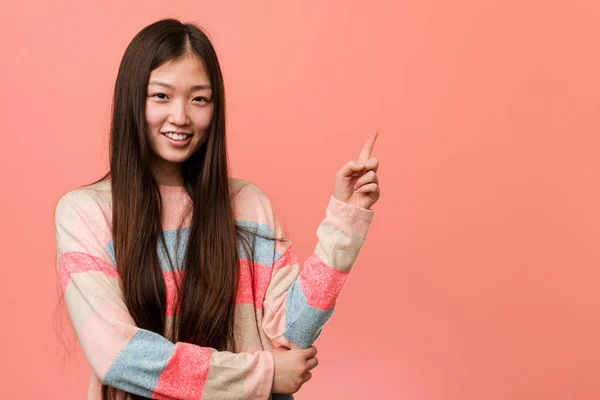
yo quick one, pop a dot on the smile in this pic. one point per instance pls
(177, 136)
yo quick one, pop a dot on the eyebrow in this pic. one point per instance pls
(193, 88)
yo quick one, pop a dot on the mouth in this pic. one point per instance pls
(177, 136)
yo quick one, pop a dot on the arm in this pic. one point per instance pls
(299, 302)
(127, 357)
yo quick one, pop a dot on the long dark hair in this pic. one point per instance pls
(206, 293)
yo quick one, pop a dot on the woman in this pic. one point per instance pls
(178, 279)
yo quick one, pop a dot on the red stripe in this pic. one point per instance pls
(245, 293)
(288, 258)
(74, 262)
(185, 373)
(321, 283)
(171, 290)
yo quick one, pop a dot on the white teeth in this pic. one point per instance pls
(175, 136)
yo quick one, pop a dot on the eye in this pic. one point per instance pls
(160, 96)
(201, 99)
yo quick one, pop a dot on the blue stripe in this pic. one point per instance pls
(303, 323)
(174, 250)
(177, 253)
(139, 365)
(264, 249)
(110, 249)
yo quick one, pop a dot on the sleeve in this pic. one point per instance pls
(127, 357)
(299, 301)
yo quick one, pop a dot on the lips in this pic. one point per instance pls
(177, 135)
(178, 140)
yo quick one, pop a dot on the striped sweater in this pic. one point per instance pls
(279, 303)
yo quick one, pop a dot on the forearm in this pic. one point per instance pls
(298, 304)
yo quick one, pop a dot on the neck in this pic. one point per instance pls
(167, 173)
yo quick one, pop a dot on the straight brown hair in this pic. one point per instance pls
(206, 293)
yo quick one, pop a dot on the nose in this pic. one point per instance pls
(178, 114)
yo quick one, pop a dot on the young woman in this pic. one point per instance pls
(179, 280)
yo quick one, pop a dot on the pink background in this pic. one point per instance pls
(479, 279)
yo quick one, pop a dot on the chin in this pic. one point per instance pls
(175, 158)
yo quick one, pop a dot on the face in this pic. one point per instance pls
(179, 111)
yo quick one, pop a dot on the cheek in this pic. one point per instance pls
(154, 115)
(203, 118)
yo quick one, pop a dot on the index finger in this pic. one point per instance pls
(365, 153)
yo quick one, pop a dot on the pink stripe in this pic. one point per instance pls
(348, 218)
(104, 334)
(273, 322)
(258, 383)
(75, 262)
(320, 283)
(262, 276)
(185, 373)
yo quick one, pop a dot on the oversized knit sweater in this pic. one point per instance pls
(281, 302)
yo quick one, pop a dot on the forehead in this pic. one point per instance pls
(187, 70)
